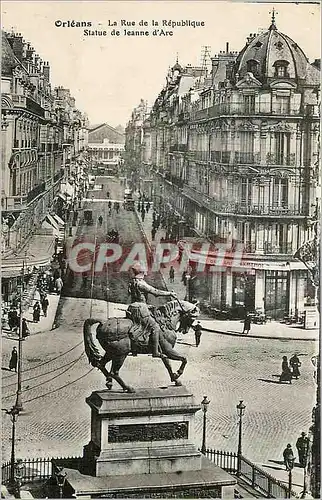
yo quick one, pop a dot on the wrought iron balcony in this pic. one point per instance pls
(241, 108)
(281, 248)
(21, 101)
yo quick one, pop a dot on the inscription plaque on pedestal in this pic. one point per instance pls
(147, 432)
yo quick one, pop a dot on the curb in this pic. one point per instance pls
(259, 336)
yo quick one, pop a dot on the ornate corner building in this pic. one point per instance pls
(235, 153)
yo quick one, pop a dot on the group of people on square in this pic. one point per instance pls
(302, 445)
(290, 369)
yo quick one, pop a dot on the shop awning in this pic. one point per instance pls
(58, 220)
(52, 221)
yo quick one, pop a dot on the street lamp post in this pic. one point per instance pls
(204, 405)
(60, 476)
(241, 410)
(14, 412)
(290, 479)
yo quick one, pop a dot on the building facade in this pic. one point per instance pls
(105, 149)
(235, 153)
(43, 152)
(42, 134)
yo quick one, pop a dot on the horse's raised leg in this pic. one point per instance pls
(109, 375)
(116, 365)
(172, 354)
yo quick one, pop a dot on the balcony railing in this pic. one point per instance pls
(178, 147)
(281, 248)
(21, 101)
(240, 108)
(240, 208)
(14, 203)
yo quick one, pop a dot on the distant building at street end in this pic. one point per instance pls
(105, 148)
(234, 155)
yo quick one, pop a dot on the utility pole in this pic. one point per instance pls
(18, 404)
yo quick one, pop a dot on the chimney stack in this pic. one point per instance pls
(17, 46)
(227, 47)
(46, 71)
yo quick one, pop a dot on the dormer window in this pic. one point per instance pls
(252, 66)
(281, 69)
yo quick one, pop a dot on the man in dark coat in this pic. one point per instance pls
(24, 328)
(302, 445)
(36, 312)
(247, 323)
(198, 331)
(13, 360)
(295, 364)
(44, 305)
(288, 457)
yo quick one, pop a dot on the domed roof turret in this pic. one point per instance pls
(271, 55)
(177, 66)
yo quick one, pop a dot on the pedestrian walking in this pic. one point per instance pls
(107, 194)
(56, 245)
(286, 375)
(44, 305)
(100, 220)
(59, 285)
(171, 274)
(184, 278)
(13, 362)
(295, 364)
(143, 214)
(198, 331)
(36, 312)
(247, 324)
(13, 320)
(288, 457)
(147, 208)
(25, 332)
(302, 445)
(153, 231)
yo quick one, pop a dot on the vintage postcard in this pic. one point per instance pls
(160, 207)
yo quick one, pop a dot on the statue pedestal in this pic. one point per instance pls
(142, 447)
(150, 431)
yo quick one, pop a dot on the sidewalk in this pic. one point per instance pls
(44, 324)
(272, 330)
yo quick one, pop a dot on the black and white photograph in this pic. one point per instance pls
(160, 249)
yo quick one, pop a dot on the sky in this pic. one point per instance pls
(108, 75)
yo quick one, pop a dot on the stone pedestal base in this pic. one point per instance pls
(150, 431)
(208, 482)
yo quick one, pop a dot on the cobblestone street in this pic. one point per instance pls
(57, 376)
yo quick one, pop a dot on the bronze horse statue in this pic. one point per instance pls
(113, 336)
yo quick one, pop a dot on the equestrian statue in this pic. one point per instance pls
(144, 330)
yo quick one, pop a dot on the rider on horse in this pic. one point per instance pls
(145, 326)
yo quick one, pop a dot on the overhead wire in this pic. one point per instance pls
(59, 388)
(42, 374)
(53, 378)
(46, 362)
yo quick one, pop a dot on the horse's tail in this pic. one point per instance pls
(91, 350)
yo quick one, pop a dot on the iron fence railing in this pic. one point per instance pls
(38, 469)
(256, 477)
